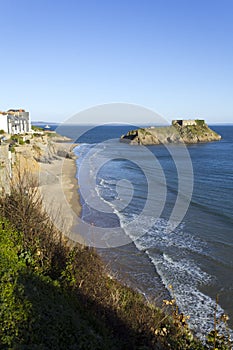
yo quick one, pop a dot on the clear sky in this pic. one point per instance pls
(173, 56)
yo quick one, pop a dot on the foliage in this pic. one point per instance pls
(37, 128)
(35, 312)
(21, 141)
(17, 139)
(14, 308)
(200, 122)
(216, 339)
(52, 134)
(36, 134)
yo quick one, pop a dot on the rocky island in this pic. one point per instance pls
(181, 131)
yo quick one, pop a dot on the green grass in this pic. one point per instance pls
(200, 122)
(36, 311)
(52, 134)
(37, 128)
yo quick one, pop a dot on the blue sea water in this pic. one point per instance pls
(196, 257)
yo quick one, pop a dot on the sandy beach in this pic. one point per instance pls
(59, 189)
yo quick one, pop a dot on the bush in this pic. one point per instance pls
(200, 122)
(37, 128)
(21, 141)
(35, 312)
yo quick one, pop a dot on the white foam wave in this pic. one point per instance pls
(106, 182)
(185, 277)
(158, 233)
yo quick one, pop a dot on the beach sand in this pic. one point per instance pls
(59, 190)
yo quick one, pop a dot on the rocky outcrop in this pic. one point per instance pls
(45, 149)
(176, 133)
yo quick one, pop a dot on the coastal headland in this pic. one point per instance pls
(181, 131)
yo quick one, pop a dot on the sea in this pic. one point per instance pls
(185, 254)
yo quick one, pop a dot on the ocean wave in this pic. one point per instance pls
(185, 277)
(159, 233)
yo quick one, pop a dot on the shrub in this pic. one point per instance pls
(35, 312)
(37, 128)
(200, 122)
(21, 141)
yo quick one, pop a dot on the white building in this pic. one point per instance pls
(15, 121)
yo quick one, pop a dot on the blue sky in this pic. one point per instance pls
(173, 56)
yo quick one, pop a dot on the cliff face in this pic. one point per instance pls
(171, 134)
(29, 156)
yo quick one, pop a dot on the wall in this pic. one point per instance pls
(3, 122)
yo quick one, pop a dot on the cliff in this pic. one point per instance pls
(30, 154)
(179, 132)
